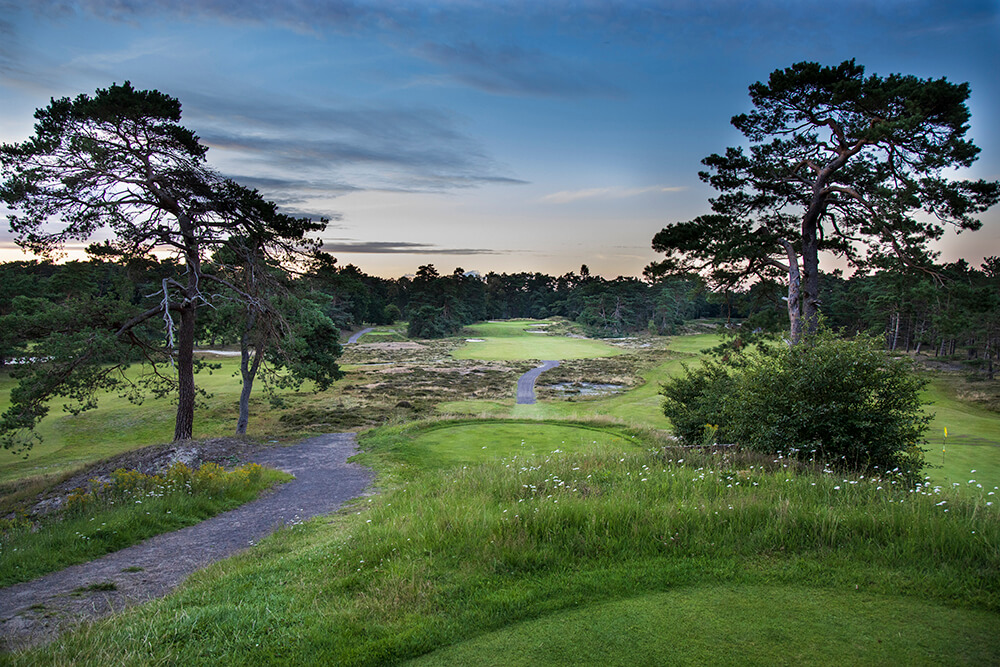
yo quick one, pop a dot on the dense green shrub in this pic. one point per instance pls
(842, 402)
(693, 402)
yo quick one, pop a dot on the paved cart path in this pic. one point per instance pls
(35, 611)
(526, 383)
(356, 337)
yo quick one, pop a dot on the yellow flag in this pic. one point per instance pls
(946, 431)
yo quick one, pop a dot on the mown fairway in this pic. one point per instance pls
(511, 341)
(624, 554)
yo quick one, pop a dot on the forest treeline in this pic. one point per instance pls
(953, 310)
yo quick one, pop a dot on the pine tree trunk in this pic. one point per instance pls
(794, 284)
(810, 277)
(184, 426)
(248, 373)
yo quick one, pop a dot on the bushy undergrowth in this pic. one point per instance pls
(108, 515)
(450, 554)
(843, 402)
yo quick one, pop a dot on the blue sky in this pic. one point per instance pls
(490, 135)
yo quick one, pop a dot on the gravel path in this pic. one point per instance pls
(35, 611)
(526, 383)
(356, 337)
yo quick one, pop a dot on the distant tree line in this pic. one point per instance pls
(951, 310)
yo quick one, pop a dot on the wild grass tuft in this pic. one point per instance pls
(110, 515)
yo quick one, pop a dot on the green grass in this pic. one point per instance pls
(469, 550)
(480, 442)
(124, 518)
(973, 432)
(118, 425)
(565, 545)
(973, 438)
(509, 341)
(639, 407)
(688, 627)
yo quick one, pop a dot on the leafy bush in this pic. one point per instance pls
(842, 402)
(694, 400)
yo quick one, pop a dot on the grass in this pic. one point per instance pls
(509, 341)
(638, 407)
(447, 445)
(560, 537)
(973, 441)
(70, 442)
(702, 552)
(688, 626)
(973, 431)
(109, 517)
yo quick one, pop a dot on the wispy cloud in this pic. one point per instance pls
(401, 248)
(567, 196)
(344, 147)
(513, 70)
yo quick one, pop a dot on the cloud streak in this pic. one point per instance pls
(339, 149)
(512, 70)
(569, 196)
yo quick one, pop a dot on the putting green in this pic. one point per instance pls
(473, 443)
(740, 625)
(513, 341)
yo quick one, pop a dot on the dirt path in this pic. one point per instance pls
(35, 611)
(356, 337)
(526, 383)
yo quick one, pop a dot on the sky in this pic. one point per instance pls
(493, 136)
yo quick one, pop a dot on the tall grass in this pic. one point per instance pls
(107, 516)
(449, 554)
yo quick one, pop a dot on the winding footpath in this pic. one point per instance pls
(36, 611)
(526, 383)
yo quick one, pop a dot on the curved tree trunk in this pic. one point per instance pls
(248, 372)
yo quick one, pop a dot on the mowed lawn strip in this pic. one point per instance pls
(475, 443)
(639, 407)
(762, 625)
